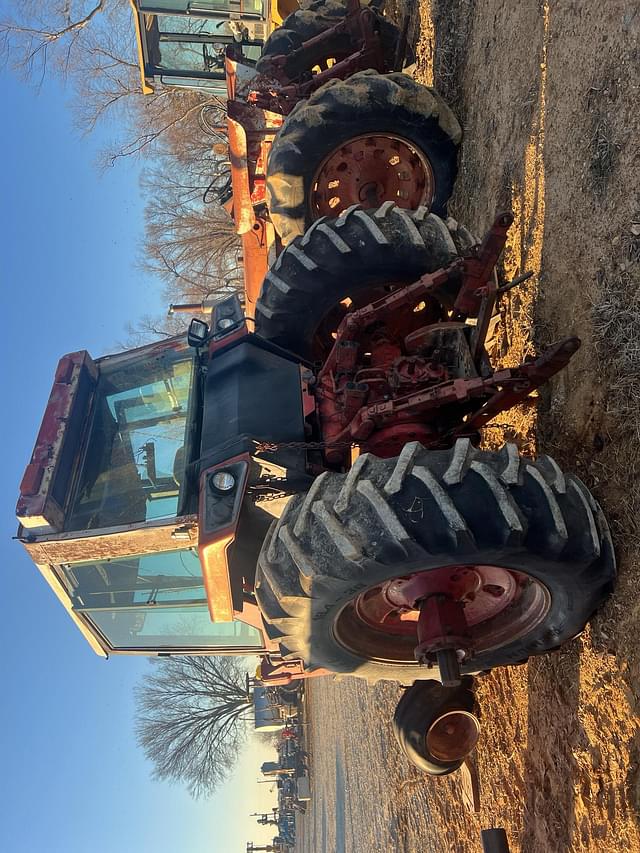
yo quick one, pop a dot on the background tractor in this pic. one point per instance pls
(305, 480)
(312, 72)
(181, 43)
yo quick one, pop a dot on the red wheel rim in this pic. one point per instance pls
(500, 605)
(453, 735)
(369, 170)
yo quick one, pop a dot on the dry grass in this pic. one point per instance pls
(603, 147)
(615, 315)
(616, 322)
(630, 241)
(602, 152)
(453, 21)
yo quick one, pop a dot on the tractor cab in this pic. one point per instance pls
(143, 471)
(183, 44)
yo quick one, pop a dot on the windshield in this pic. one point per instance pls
(135, 457)
(194, 47)
(204, 6)
(152, 602)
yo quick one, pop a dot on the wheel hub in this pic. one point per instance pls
(442, 615)
(485, 591)
(370, 169)
(453, 735)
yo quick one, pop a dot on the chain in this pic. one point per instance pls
(271, 447)
(497, 426)
(272, 496)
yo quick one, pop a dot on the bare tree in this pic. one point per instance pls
(192, 246)
(190, 243)
(190, 719)
(92, 45)
(41, 36)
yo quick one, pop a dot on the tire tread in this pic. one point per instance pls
(357, 527)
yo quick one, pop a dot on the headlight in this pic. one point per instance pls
(221, 496)
(223, 481)
(227, 315)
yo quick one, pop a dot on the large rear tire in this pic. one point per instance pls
(344, 257)
(532, 534)
(315, 18)
(368, 139)
(302, 25)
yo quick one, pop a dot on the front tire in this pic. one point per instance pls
(532, 534)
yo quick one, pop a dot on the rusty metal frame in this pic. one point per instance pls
(277, 88)
(467, 288)
(504, 389)
(37, 507)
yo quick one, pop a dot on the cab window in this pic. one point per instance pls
(204, 6)
(135, 459)
(152, 602)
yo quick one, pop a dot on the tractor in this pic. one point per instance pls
(179, 36)
(325, 59)
(304, 478)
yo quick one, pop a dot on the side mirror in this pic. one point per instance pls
(198, 333)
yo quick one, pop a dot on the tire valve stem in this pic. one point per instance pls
(442, 631)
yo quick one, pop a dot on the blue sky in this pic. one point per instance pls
(73, 779)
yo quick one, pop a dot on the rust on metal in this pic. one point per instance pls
(521, 381)
(441, 626)
(108, 544)
(478, 267)
(352, 44)
(453, 735)
(460, 607)
(37, 507)
(396, 374)
(368, 169)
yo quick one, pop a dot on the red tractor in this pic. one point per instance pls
(307, 482)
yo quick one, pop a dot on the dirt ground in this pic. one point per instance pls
(549, 97)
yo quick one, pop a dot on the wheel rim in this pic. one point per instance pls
(453, 735)
(368, 170)
(500, 606)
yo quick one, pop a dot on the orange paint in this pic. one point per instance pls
(215, 573)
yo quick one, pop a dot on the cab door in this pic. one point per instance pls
(190, 51)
